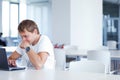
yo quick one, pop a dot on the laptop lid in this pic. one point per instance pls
(4, 63)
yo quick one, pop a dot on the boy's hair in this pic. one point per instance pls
(29, 25)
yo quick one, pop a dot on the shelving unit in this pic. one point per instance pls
(111, 30)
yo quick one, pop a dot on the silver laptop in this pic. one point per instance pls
(4, 63)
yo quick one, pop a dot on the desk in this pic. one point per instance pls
(54, 75)
(10, 48)
(115, 56)
(82, 53)
(76, 52)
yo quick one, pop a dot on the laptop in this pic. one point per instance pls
(4, 62)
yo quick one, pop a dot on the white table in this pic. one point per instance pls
(10, 48)
(115, 54)
(78, 52)
(54, 75)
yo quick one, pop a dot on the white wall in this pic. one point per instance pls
(86, 23)
(40, 13)
(61, 21)
(77, 22)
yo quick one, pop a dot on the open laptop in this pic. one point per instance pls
(4, 63)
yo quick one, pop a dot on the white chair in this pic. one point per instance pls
(101, 56)
(60, 59)
(87, 66)
(112, 44)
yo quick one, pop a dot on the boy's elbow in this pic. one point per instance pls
(38, 67)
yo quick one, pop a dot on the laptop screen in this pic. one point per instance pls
(3, 59)
(4, 63)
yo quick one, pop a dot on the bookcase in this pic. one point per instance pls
(111, 30)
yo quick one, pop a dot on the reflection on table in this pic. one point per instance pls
(54, 75)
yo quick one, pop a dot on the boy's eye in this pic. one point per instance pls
(24, 36)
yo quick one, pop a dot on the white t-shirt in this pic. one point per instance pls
(43, 45)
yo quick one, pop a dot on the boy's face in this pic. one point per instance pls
(28, 36)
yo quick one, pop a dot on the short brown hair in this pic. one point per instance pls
(29, 25)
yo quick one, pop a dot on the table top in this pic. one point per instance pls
(10, 48)
(77, 52)
(54, 75)
(114, 53)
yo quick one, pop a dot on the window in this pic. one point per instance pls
(12, 14)
(39, 13)
(5, 18)
(15, 12)
(13, 19)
